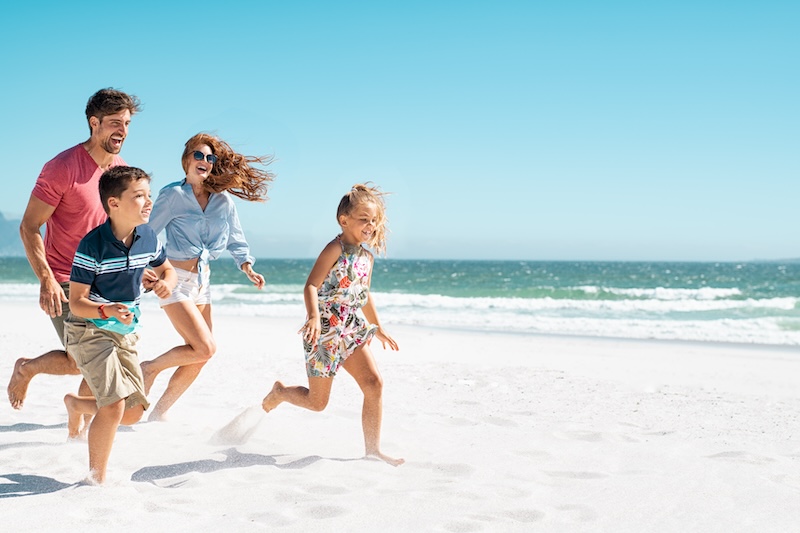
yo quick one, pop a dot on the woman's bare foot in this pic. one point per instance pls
(385, 458)
(273, 399)
(18, 384)
(149, 374)
(157, 416)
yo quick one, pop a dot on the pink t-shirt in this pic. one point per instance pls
(69, 182)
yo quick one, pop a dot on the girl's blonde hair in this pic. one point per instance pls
(233, 172)
(367, 193)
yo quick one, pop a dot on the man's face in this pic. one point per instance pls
(112, 130)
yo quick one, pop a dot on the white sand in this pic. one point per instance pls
(500, 433)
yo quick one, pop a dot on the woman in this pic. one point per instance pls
(201, 222)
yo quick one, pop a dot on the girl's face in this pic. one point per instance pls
(359, 225)
(199, 167)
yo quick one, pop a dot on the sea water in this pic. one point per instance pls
(757, 302)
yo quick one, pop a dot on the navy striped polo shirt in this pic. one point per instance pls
(113, 271)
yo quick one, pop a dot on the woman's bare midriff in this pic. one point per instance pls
(189, 264)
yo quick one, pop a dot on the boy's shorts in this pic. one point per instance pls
(108, 361)
(191, 287)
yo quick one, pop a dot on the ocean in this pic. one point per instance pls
(757, 303)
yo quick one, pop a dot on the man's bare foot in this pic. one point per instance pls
(273, 399)
(18, 384)
(75, 426)
(385, 458)
(149, 374)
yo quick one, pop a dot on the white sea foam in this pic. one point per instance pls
(678, 314)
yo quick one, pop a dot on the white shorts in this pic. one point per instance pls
(190, 288)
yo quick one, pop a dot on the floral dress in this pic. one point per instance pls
(344, 329)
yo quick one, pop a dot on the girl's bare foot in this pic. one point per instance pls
(385, 458)
(273, 399)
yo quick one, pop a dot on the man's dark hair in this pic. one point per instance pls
(110, 101)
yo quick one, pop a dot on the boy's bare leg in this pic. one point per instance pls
(78, 407)
(101, 438)
(314, 397)
(55, 362)
(361, 365)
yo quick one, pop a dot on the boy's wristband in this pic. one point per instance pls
(102, 312)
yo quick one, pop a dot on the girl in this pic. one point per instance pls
(335, 334)
(201, 222)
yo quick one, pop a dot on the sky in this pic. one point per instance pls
(520, 130)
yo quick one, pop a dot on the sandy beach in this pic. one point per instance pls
(501, 432)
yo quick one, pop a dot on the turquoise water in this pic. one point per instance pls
(727, 302)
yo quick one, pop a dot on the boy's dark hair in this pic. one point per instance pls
(116, 180)
(109, 101)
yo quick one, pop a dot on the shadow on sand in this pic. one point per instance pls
(28, 485)
(21, 428)
(233, 459)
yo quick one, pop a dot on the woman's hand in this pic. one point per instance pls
(252, 275)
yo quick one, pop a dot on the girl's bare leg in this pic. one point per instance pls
(361, 365)
(314, 397)
(193, 323)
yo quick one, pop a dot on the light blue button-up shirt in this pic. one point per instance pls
(192, 232)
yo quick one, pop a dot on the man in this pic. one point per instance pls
(66, 200)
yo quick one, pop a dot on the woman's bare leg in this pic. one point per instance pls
(193, 323)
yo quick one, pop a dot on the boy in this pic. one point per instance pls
(104, 292)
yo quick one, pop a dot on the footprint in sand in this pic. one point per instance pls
(742, 457)
(576, 475)
(463, 527)
(580, 513)
(526, 516)
(588, 436)
(497, 421)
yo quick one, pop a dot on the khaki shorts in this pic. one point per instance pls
(58, 321)
(108, 361)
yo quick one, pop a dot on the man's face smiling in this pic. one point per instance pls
(112, 130)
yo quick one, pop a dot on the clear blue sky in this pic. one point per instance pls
(509, 130)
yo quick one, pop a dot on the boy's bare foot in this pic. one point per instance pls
(385, 458)
(149, 376)
(75, 417)
(273, 399)
(18, 384)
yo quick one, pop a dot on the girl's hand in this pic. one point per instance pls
(385, 339)
(311, 330)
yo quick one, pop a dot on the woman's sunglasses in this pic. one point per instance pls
(199, 156)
